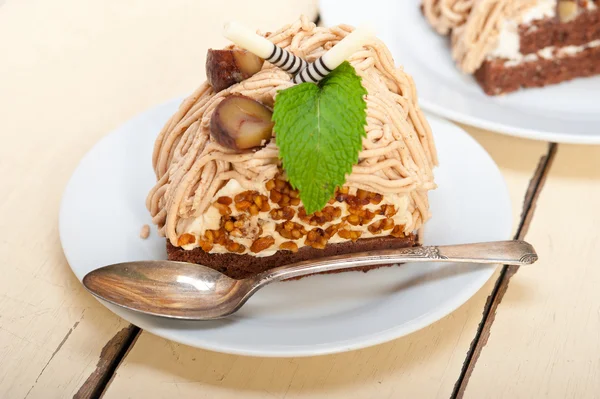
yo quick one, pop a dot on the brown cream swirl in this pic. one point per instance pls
(445, 15)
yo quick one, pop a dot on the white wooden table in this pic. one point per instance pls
(70, 71)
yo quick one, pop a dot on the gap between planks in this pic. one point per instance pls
(536, 185)
(111, 356)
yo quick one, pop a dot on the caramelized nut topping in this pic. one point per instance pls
(316, 238)
(376, 199)
(223, 209)
(333, 229)
(275, 196)
(388, 224)
(290, 230)
(289, 246)
(380, 225)
(398, 231)
(286, 213)
(349, 234)
(387, 210)
(205, 245)
(186, 239)
(232, 246)
(283, 204)
(224, 200)
(262, 244)
(242, 205)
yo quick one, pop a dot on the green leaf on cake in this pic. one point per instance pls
(319, 130)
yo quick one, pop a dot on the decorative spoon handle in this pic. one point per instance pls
(514, 252)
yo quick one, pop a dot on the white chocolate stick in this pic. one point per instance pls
(336, 55)
(258, 45)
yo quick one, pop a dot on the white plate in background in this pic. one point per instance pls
(568, 112)
(103, 209)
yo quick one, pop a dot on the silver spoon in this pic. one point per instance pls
(188, 291)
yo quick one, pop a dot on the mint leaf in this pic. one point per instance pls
(319, 130)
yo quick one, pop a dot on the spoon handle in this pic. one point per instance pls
(513, 252)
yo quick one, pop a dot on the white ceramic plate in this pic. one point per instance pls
(567, 113)
(103, 210)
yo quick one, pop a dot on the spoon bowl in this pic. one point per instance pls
(165, 288)
(189, 291)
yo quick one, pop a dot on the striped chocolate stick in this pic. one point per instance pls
(263, 48)
(335, 56)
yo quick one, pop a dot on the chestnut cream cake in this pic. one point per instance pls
(509, 44)
(254, 171)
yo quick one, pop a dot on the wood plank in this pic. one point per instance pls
(544, 341)
(70, 72)
(424, 364)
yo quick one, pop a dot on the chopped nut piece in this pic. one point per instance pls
(398, 231)
(262, 244)
(290, 230)
(223, 209)
(245, 196)
(265, 207)
(388, 224)
(275, 196)
(205, 245)
(316, 238)
(376, 227)
(242, 205)
(349, 234)
(286, 213)
(387, 210)
(224, 200)
(233, 246)
(362, 194)
(186, 239)
(376, 199)
(289, 246)
(209, 235)
(333, 229)
(280, 184)
(270, 185)
(353, 220)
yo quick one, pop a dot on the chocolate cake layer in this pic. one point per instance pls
(241, 266)
(551, 32)
(496, 78)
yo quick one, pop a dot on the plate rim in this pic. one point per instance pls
(360, 342)
(514, 131)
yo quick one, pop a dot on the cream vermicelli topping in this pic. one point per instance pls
(397, 157)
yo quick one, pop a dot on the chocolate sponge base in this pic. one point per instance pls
(241, 266)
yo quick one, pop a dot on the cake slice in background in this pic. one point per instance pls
(235, 210)
(509, 44)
